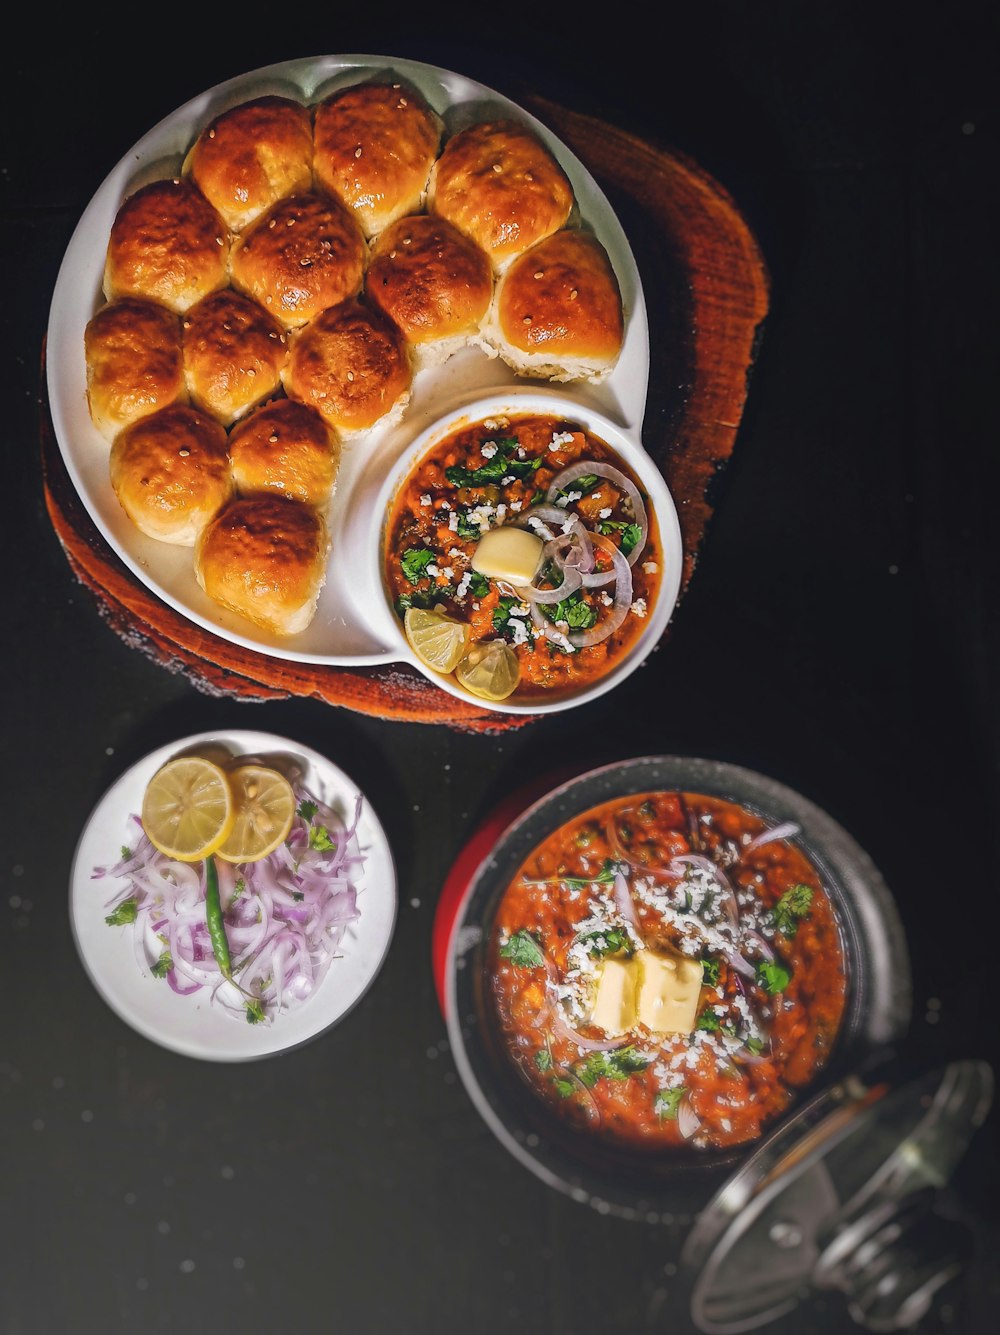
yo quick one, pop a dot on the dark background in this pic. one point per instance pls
(840, 634)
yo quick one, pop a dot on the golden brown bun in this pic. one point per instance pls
(288, 448)
(429, 278)
(233, 354)
(501, 186)
(253, 155)
(168, 244)
(558, 311)
(170, 471)
(133, 351)
(375, 144)
(304, 255)
(351, 364)
(264, 557)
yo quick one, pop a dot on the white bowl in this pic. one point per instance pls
(513, 401)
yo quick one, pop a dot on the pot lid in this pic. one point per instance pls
(842, 1197)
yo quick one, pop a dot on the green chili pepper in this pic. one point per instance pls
(216, 922)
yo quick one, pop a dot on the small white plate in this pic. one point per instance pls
(191, 1025)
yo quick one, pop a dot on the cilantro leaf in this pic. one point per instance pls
(615, 940)
(503, 464)
(793, 905)
(710, 973)
(479, 585)
(468, 528)
(319, 838)
(667, 1103)
(124, 913)
(755, 1045)
(772, 976)
(255, 1010)
(616, 1065)
(414, 563)
(523, 950)
(574, 610)
(709, 1020)
(501, 614)
(126, 853)
(631, 534)
(604, 877)
(239, 889)
(543, 1059)
(307, 810)
(565, 1088)
(581, 484)
(162, 966)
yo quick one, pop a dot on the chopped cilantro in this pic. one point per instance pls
(468, 528)
(566, 1089)
(667, 1103)
(503, 464)
(543, 1059)
(125, 913)
(574, 610)
(604, 877)
(162, 966)
(523, 950)
(239, 889)
(307, 810)
(615, 942)
(501, 614)
(772, 977)
(421, 598)
(319, 838)
(709, 1020)
(126, 853)
(793, 905)
(631, 534)
(414, 563)
(710, 973)
(581, 484)
(755, 1045)
(479, 585)
(616, 1065)
(255, 1010)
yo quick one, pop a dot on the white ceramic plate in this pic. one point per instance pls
(341, 631)
(190, 1024)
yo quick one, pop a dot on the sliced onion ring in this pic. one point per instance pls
(584, 466)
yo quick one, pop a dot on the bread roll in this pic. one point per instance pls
(375, 144)
(305, 254)
(264, 557)
(170, 471)
(288, 448)
(253, 155)
(168, 244)
(233, 354)
(134, 364)
(351, 365)
(430, 279)
(557, 311)
(501, 186)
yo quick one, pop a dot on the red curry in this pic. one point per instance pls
(548, 475)
(691, 878)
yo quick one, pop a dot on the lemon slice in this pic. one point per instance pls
(187, 808)
(265, 808)
(438, 641)
(490, 670)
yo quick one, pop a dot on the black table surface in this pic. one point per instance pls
(839, 635)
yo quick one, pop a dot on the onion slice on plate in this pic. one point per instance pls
(585, 467)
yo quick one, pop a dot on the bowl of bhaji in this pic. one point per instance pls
(655, 965)
(531, 554)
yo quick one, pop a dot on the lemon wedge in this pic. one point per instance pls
(491, 670)
(264, 806)
(187, 808)
(438, 640)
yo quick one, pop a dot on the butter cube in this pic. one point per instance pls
(668, 992)
(614, 1004)
(511, 554)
